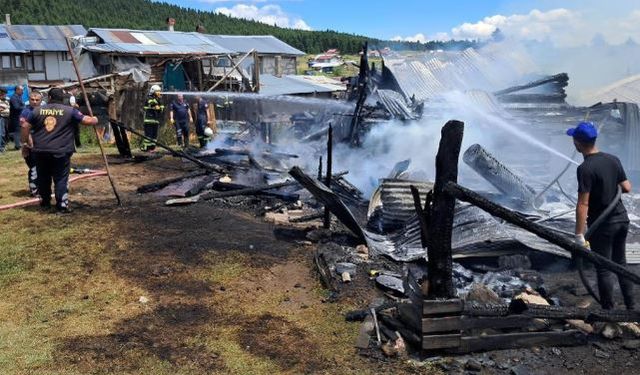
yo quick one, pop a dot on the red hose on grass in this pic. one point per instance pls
(34, 201)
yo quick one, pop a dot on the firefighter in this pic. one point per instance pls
(599, 177)
(53, 144)
(153, 112)
(202, 121)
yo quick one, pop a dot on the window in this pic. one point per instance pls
(35, 62)
(17, 61)
(6, 62)
(64, 56)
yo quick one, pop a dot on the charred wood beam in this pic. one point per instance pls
(458, 306)
(518, 306)
(155, 186)
(246, 191)
(325, 272)
(407, 334)
(555, 238)
(327, 214)
(359, 315)
(562, 78)
(322, 193)
(462, 323)
(533, 98)
(199, 163)
(440, 223)
(521, 340)
(201, 185)
(457, 343)
(422, 213)
(302, 219)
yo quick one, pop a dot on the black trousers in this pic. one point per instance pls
(610, 241)
(182, 132)
(151, 131)
(53, 167)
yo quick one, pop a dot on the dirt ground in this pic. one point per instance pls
(201, 289)
(152, 289)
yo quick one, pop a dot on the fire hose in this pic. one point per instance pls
(30, 202)
(592, 228)
(588, 234)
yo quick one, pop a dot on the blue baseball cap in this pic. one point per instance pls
(584, 132)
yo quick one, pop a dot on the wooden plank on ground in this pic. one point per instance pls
(445, 306)
(441, 341)
(451, 323)
(521, 340)
(444, 324)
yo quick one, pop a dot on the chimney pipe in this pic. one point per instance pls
(7, 19)
(170, 23)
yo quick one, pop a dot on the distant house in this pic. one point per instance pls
(275, 56)
(45, 56)
(12, 61)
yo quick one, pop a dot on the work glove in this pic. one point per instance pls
(580, 240)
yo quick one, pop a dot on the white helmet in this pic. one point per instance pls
(208, 132)
(154, 89)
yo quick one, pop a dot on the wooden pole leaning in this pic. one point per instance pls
(86, 100)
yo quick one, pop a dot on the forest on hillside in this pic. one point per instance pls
(148, 15)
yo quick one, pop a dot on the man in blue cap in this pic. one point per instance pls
(599, 176)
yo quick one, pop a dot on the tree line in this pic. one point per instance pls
(148, 15)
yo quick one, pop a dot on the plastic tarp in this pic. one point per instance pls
(127, 65)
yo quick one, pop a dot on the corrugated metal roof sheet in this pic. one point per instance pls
(155, 42)
(625, 90)
(43, 37)
(266, 44)
(292, 84)
(431, 75)
(6, 44)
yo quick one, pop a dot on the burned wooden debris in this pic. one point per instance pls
(455, 324)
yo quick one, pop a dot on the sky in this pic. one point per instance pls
(569, 22)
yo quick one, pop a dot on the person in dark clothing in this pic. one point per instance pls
(202, 121)
(599, 176)
(180, 116)
(70, 100)
(153, 113)
(4, 118)
(35, 99)
(16, 105)
(53, 144)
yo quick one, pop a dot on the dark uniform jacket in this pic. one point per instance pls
(180, 111)
(53, 128)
